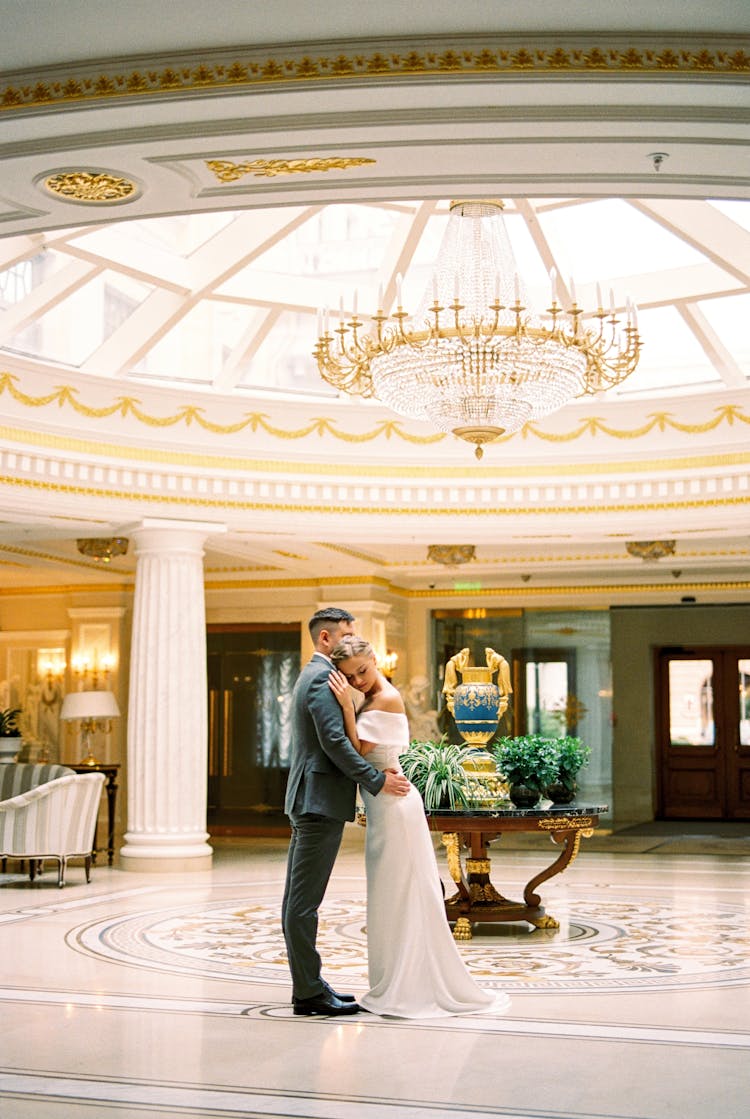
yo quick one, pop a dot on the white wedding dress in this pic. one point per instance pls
(415, 970)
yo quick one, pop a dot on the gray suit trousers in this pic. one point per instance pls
(312, 852)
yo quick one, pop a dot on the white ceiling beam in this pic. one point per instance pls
(15, 249)
(257, 230)
(706, 229)
(150, 321)
(400, 251)
(209, 266)
(62, 283)
(713, 347)
(260, 325)
(528, 213)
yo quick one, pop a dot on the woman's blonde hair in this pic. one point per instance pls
(351, 646)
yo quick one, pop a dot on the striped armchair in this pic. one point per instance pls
(48, 812)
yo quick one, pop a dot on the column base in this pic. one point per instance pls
(151, 853)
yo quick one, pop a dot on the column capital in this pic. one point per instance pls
(162, 535)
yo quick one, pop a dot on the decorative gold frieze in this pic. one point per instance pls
(90, 186)
(228, 172)
(130, 406)
(502, 56)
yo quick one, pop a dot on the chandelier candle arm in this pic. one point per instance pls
(475, 359)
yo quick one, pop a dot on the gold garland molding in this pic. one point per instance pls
(623, 56)
(188, 414)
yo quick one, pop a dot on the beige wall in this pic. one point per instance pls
(636, 632)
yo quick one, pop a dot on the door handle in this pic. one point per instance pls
(226, 751)
(213, 733)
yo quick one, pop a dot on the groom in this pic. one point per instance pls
(323, 777)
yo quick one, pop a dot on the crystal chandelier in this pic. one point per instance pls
(475, 360)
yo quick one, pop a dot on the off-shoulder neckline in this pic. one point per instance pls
(378, 711)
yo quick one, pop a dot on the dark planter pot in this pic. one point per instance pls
(561, 792)
(524, 796)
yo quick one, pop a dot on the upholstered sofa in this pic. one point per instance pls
(48, 812)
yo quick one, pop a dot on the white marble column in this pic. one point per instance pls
(166, 773)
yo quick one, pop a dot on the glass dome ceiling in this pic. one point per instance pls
(227, 302)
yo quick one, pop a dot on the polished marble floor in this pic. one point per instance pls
(145, 995)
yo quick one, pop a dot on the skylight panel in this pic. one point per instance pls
(729, 318)
(197, 347)
(72, 329)
(671, 359)
(610, 238)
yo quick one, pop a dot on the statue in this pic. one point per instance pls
(423, 724)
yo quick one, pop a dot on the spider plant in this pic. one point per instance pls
(436, 771)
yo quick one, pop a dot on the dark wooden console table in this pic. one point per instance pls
(477, 900)
(110, 772)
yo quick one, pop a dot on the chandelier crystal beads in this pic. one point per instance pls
(475, 359)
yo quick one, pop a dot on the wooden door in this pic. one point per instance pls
(703, 732)
(251, 673)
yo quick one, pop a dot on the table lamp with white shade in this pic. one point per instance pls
(95, 711)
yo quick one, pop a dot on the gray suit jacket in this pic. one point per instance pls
(325, 768)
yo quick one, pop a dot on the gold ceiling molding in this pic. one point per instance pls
(528, 591)
(714, 502)
(193, 413)
(228, 172)
(51, 441)
(510, 56)
(67, 588)
(11, 549)
(93, 187)
(188, 414)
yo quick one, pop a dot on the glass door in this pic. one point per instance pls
(703, 729)
(251, 674)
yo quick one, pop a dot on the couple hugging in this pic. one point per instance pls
(415, 970)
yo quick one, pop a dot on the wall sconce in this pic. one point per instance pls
(95, 710)
(52, 668)
(388, 664)
(92, 667)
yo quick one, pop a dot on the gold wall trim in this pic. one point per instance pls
(67, 589)
(128, 406)
(530, 591)
(500, 56)
(713, 502)
(526, 591)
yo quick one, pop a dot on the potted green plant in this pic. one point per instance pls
(528, 763)
(436, 769)
(572, 756)
(10, 735)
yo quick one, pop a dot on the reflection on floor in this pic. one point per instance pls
(143, 995)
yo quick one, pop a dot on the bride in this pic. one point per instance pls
(414, 966)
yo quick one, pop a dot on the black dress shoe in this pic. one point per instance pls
(339, 996)
(325, 1003)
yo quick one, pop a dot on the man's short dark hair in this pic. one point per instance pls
(327, 618)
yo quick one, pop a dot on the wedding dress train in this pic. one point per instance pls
(415, 969)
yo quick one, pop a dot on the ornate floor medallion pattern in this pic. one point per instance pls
(608, 945)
